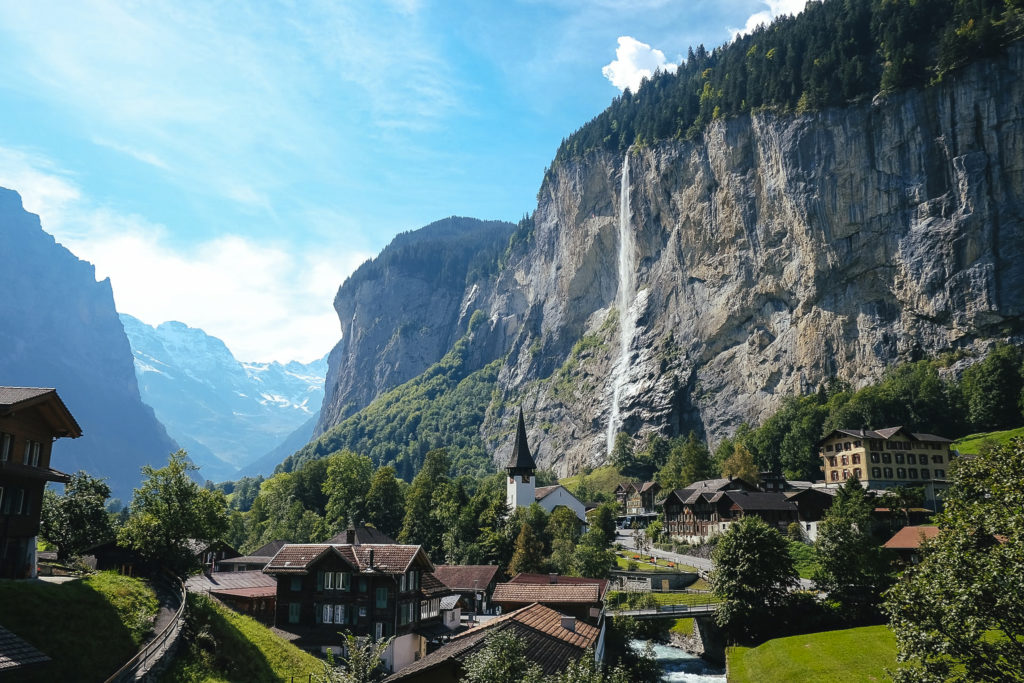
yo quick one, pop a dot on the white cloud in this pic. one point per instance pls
(776, 8)
(633, 62)
(267, 301)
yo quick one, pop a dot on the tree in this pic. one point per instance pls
(420, 526)
(563, 524)
(587, 670)
(385, 502)
(346, 486)
(992, 388)
(622, 451)
(958, 615)
(361, 662)
(688, 461)
(78, 519)
(603, 519)
(903, 499)
(169, 512)
(502, 659)
(851, 567)
(528, 555)
(752, 577)
(741, 465)
(642, 541)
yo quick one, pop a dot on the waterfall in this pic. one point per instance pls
(623, 301)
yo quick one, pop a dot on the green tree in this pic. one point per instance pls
(501, 660)
(346, 486)
(385, 502)
(623, 455)
(361, 662)
(752, 577)
(528, 555)
(740, 465)
(958, 615)
(169, 512)
(420, 526)
(603, 519)
(563, 524)
(851, 567)
(587, 670)
(77, 520)
(688, 461)
(992, 388)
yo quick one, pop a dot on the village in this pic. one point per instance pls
(429, 620)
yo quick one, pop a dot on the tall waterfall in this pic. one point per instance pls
(624, 299)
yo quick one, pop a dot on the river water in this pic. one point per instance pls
(679, 666)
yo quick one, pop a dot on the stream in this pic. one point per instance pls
(680, 666)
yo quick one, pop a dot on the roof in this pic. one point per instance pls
(466, 577)
(450, 601)
(745, 500)
(545, 491)
(521, 458)
(430, 585)
(254, 592)
(363, 534)
(221, 581)
(296, 558)
(910, 537)
(548, 642)
(549, 593)
(884, 434)
(529, 577)
(13, 399)
(648, 485)
(16, 653)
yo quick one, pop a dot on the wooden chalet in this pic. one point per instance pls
(677, 505)
(473, 582)
(31, 419)
(249, 592)
(695, 514)
(576, 596)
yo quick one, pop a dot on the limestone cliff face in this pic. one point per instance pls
(772, 252)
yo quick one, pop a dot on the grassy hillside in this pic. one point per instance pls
(88, 627)
(601, 480)
(855, 654)
(226, 646)
(972, 443)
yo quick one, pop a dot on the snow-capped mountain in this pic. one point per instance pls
(226, 413)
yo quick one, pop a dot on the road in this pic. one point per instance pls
(703, 565)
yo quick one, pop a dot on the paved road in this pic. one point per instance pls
(625, 537)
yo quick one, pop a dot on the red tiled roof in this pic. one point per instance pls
(529, 577)
(910, 537)
(547, 593)
(466, 577)
(296, 558)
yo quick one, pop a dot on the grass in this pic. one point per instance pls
(649, 600)
(601, 480)
(88, 627)
(804, 558)
(683, 627)
(974, 442)
(226, 646)
(855, 654)
(622, 561)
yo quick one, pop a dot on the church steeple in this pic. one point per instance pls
(521, 461)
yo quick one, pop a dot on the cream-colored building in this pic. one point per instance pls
(885, 458)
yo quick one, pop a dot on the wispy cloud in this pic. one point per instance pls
(635, 61)
(775, 8)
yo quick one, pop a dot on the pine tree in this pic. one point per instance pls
(528, 555)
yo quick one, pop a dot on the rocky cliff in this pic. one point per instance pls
(61, 330)
(770, 253)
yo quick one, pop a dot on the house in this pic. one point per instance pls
(906, 542)
(677, 505)
(700, 513)
(640, 500)
(473, 582)
(811, 504)
(110, 556)
(255, 561)
(18, 656)
(361, 534)
(888, 457)
(250, 592)
(31, 419)
(211, 553)
(375, 590)
(521, 491)
(576, 596)
(553, 640)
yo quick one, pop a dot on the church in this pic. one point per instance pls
(521, 490)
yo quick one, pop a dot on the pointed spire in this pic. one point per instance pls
(521, 458)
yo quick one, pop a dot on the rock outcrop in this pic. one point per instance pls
(772, 253)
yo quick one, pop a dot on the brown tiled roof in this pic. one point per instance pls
(466, 577)
(911, 537)
(648, 485)
(363, 534)
(544, 491)
(229, 581)
(16, 653)
(746, 500)
(532, 578)
(547, 593)
(548, 643)
(885, 434)
(296, 558)
(430, 585)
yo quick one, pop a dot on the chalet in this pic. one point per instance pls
(906, 543)
(811, 504)
(375, 590)
(580, 597)
(698, 514)
(30, 421)
(676, 505)
(640, 500)
(250, 592)
(473, 582)
(553, 640)
(521, 491)
(255, 561)
(622, 492)
(211, 553)
(884, 458)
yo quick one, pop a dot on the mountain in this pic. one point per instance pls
(61, 330)
(228, 413)
(701, 283)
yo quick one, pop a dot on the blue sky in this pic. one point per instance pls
(228, 164)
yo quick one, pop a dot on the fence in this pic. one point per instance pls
(154, 649)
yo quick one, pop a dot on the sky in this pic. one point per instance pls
(229, 164)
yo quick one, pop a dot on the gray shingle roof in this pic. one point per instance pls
(521, 458)
(16, 653)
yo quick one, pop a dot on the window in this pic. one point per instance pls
(296, 584)
(856, 472)
(876, 471)
(828, 448)
(35, 453)
(6, 446)
(846, 446)
(328, 581)
(362, 585)
(378, 630)
(18, 502)
(27, 456)
(924, 473)
(886, 457)
(912, 472)
(832, 461)
(940, 474)
(900, 458)
(888, 472)
(401, 584)
(846, 474)
(856, 444)
(294, 609)
(362, 612)
(901, 473)
(911, 459)
(937, 459)
(856, 459)
(344, 581)
(526, 478)
(382, 597)
(846, 459)
(835, 476)
(327, 614)
(875, 457)
(339, 614)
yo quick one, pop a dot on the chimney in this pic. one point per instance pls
(350, 533)
(569, 623)
(371, 558)
(552, 578)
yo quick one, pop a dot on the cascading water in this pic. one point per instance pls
(623, 300)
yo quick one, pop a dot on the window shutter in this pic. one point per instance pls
(317, 613)
(319, 581)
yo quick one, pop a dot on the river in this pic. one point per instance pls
(679, 666)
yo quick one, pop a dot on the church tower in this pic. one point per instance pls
(519, 491)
